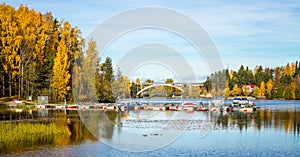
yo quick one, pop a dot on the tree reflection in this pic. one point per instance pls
(96, 125)
(285, 120)
(79, 130)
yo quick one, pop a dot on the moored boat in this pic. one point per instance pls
(155, 107)
(72, 107)
(243, 105)
(137, 108)
(172, 107)
(236, 100)
(247, 109)
(235, 109)
(188, 106)
(202, 109)
(215, 109)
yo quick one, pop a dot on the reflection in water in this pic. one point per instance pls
(149, 130)
(79, 131)
(101, 124)
(110, 126)
(50, 122)
(287, 120)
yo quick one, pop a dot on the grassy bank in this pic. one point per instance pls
(22, 134)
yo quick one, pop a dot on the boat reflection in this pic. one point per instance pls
(282, 120)
(93, 125)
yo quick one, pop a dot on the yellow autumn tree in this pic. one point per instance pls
(120, 87)
(10, 44)
(90, 66)
(73, 40)
(293, 69)
(129, 85)
(262, 88)
(227, 90)
(29, 42)
(236, 90)
(32, 28)
(68, 50)
(61, 75)
(288, 70)
(246, 90)
(257, 92)
(293, 85)
(137, 82)
(194, 92)
(269, 87)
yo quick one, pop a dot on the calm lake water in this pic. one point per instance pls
(271, 132)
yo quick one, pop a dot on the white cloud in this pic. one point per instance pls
(245, 32)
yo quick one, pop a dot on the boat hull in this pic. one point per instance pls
(202, 109)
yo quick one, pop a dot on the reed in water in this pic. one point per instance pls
(22, 134)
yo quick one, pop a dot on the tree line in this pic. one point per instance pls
(41, 56)
(281, 82)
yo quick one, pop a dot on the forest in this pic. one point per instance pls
(281, 82)
(38, 54)
(43, 56)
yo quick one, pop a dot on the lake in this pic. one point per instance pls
(270, 132)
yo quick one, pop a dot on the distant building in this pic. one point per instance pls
(249, 87)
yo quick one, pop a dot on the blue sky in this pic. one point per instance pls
(251, 33)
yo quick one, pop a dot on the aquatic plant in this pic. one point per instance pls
(22, 134)
(3, 106)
